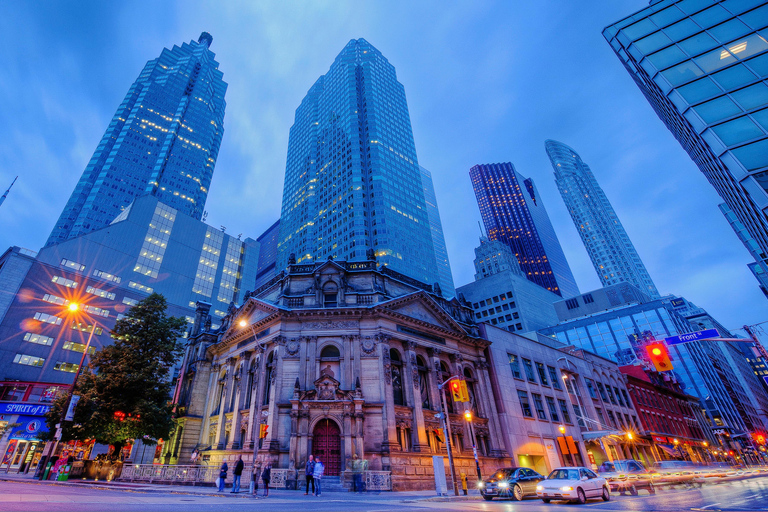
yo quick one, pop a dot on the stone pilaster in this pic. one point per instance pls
(411, 382)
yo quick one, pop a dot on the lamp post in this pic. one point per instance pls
(468, 417)
(73, 307)
(630, 439)
(679, 450)
(575, 392)
(561, 428)
(447, 429)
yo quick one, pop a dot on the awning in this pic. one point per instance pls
(600, 434)
(670, 450)
(29, 429)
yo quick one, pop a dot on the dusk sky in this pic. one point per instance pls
(486, 82)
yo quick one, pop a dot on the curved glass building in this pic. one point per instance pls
(610, 249)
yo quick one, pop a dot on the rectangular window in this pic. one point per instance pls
(44, 317)
(525, 404)
(66, 367)
(572, 304)
(77, 347)
(106, 275)
(601, 389)
(579, 415)
(28, 360)
(514, 364)
(542, 374)
(129, 301)
(53, 299)
(38, 338)
(537, 402)
(156, 241)
(140, 287)
(63, 281)
(72, 264)
(587, 297)
(79, 326)
(611, 419)
(529, 370)
(553, 375)
(610, 395)
(552, 409)
(96, 311)
(591, 388)
(100, 293)
(618, 396)
(564, 410)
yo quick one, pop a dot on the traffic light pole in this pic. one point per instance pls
(468, 416)
(447, 427)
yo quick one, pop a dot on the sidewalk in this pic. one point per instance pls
(142, 487)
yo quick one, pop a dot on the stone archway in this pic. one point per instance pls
(326, 443)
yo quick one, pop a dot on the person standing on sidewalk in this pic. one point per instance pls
(317, 475)
(237, 474)
(309, 471)
(266, 476)
(223, 476)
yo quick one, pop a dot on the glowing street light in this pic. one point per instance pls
(74, 306)
(243, 323)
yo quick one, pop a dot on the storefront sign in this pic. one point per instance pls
(26, 409)
(660, 439)
(29, 429)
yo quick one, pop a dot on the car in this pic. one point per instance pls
(515, 483)
(575, 484)
(627, 476)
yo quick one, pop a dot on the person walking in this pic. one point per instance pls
(223, 476)
(357, 474)
(317, 474)
(308, 472)
(266, 476)
(238, 472)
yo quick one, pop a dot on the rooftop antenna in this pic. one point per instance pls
(2, 199)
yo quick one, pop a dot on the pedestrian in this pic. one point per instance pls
(357, 474)
(308, 472)
(238, 472)
(266, 476)
(223, 476)
(317, 474)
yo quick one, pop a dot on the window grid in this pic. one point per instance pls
(156, 241)
(209, 263)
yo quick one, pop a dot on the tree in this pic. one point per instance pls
(125, 391)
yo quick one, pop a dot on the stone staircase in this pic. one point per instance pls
(330, 484)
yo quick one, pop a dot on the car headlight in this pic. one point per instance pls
(503, 485)
(480, 485)
(539, 487)
(566, 488)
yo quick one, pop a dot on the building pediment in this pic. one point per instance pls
(326, 388)
(420, 307)
(252, 312)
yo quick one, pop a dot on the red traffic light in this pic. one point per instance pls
(659, 356)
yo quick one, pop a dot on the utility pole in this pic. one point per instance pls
(447, 430)
(2, 198)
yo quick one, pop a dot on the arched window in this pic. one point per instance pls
(235, 391)
(444, 375)
(424, 388)
(330, 295)
(249, 383)
(268, 377)
(471, 388)
(219, 397)
(397, 377)
(330, 358)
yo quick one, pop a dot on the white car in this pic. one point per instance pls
(573, 484)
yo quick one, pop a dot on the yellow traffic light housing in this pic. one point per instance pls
(659, 356)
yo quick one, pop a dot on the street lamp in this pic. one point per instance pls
(73, 307)
(561, 428)
(679, 450)
(630, 439)
(468, 417)
(575, 392)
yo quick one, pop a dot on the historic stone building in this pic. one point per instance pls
(337, 359)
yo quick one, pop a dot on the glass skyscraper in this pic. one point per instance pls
(445, 278)
(163, 140)
(352, 179)
(702, 65)
(610, 249)
(513, 213)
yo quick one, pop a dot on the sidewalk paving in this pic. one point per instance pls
(207, 490)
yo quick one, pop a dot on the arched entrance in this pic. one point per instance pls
(326, 443)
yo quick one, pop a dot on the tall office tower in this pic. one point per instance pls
(352, 179)
(702, 66)
(444, 275)
(610, 249)
(163, 140)
(513, 213)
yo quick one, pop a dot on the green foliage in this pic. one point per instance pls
(131, 377)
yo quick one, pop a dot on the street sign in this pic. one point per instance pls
(692, 336)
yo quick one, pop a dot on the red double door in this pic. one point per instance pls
(326, 444)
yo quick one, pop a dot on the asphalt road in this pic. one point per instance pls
(745, 495)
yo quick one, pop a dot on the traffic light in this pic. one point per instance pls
(659, 356)
(440, 435)
(459, 390)
(263, 431)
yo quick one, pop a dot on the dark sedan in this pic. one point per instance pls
(515, 483)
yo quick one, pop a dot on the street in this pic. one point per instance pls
(744, 495)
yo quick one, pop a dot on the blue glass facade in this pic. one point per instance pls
(445, 278)
(352, 179)
(163, 140)
(513, 213)
(702, 65)
(616, 334)
(610, 249)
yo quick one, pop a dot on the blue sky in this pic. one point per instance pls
(485, 82)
